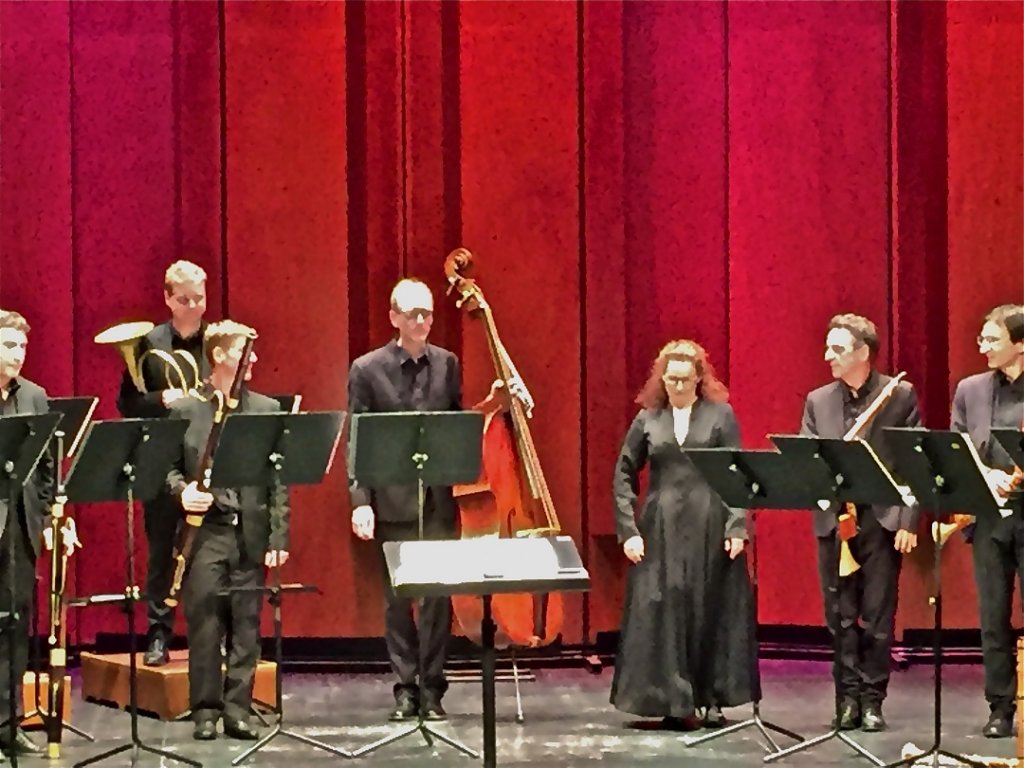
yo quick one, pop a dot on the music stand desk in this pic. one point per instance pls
(485, 567)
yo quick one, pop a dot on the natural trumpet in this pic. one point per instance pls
(127, 337)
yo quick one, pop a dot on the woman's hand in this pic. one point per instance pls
(634, 549)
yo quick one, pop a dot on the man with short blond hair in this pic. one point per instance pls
(242, 530)
(20, 528)
(182, 338)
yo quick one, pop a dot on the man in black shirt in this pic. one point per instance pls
(861, 608)
(21, 527)
(995, 399)
(243, 530)
(181, 338)
(409, 374)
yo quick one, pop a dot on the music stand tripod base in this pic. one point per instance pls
(127, 460)
(276, 450)
(748, 480)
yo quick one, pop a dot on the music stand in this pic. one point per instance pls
(426, 448)
(837, 471)
(750, 480)
(269, 450)
(944, 472)
(484, 567)
(24, 438)
(127, 460)
(76, 413)
(1012, 441)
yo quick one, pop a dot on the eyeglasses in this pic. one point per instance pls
(990, 340)
(678, 381)
(413, 314)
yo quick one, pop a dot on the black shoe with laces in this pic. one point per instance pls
(999, 726)
(157, 653)
(406, 707)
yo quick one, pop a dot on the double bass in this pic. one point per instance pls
(511, 498)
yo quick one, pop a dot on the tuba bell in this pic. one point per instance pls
(127, 337)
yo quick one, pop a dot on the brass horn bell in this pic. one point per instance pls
(127, 337)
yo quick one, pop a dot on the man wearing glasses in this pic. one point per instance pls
(860, 609)
(409, 374)
(983, 402)
(182, 337)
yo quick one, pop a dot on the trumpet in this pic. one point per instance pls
(127, 337)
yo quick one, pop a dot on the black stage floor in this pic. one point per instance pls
(568, 722)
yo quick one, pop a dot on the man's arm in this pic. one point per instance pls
(360, 400)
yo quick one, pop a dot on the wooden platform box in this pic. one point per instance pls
(32, 704)
(162, 691)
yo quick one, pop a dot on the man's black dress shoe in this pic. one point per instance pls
(432, 710)
(240, 729)
(872, 719)
(156, 654)
(23, 745)
(406, 707)
(205, 730)
(849, 716)
(999, 726)
(713, 717)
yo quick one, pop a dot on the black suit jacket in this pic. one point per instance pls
(37, 493)
(373, 387)
(133, 404)
(265, 511)
(972, 415)
(823, 417)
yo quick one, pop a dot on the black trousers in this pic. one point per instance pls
(19, 573)
(999, 561)
(861, 609)
(219, 562)
(416, 652)
(162, 517)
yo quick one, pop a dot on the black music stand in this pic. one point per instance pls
(24, 439)
(268, 450)
(750, 480)
(837, 471)
(76, 413)
(425, 448)
(484, 567)
(944, 472)
(127, 460)
(1012, 441)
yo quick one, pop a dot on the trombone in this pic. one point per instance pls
(127, 337)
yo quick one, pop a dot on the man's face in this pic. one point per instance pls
(843, 353)
(413, 314)
(13, 345)
(994, 343)
(187, 302)
(228, 359)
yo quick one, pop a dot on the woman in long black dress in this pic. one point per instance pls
(688, 626)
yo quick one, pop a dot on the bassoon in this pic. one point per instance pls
(187, 532)
(62, 531)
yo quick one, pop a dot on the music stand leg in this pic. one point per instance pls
(519, 699)
(936, 747)
(754, 721)
(834, 732)
(135, 745)
(421, 727)
(276, 596)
